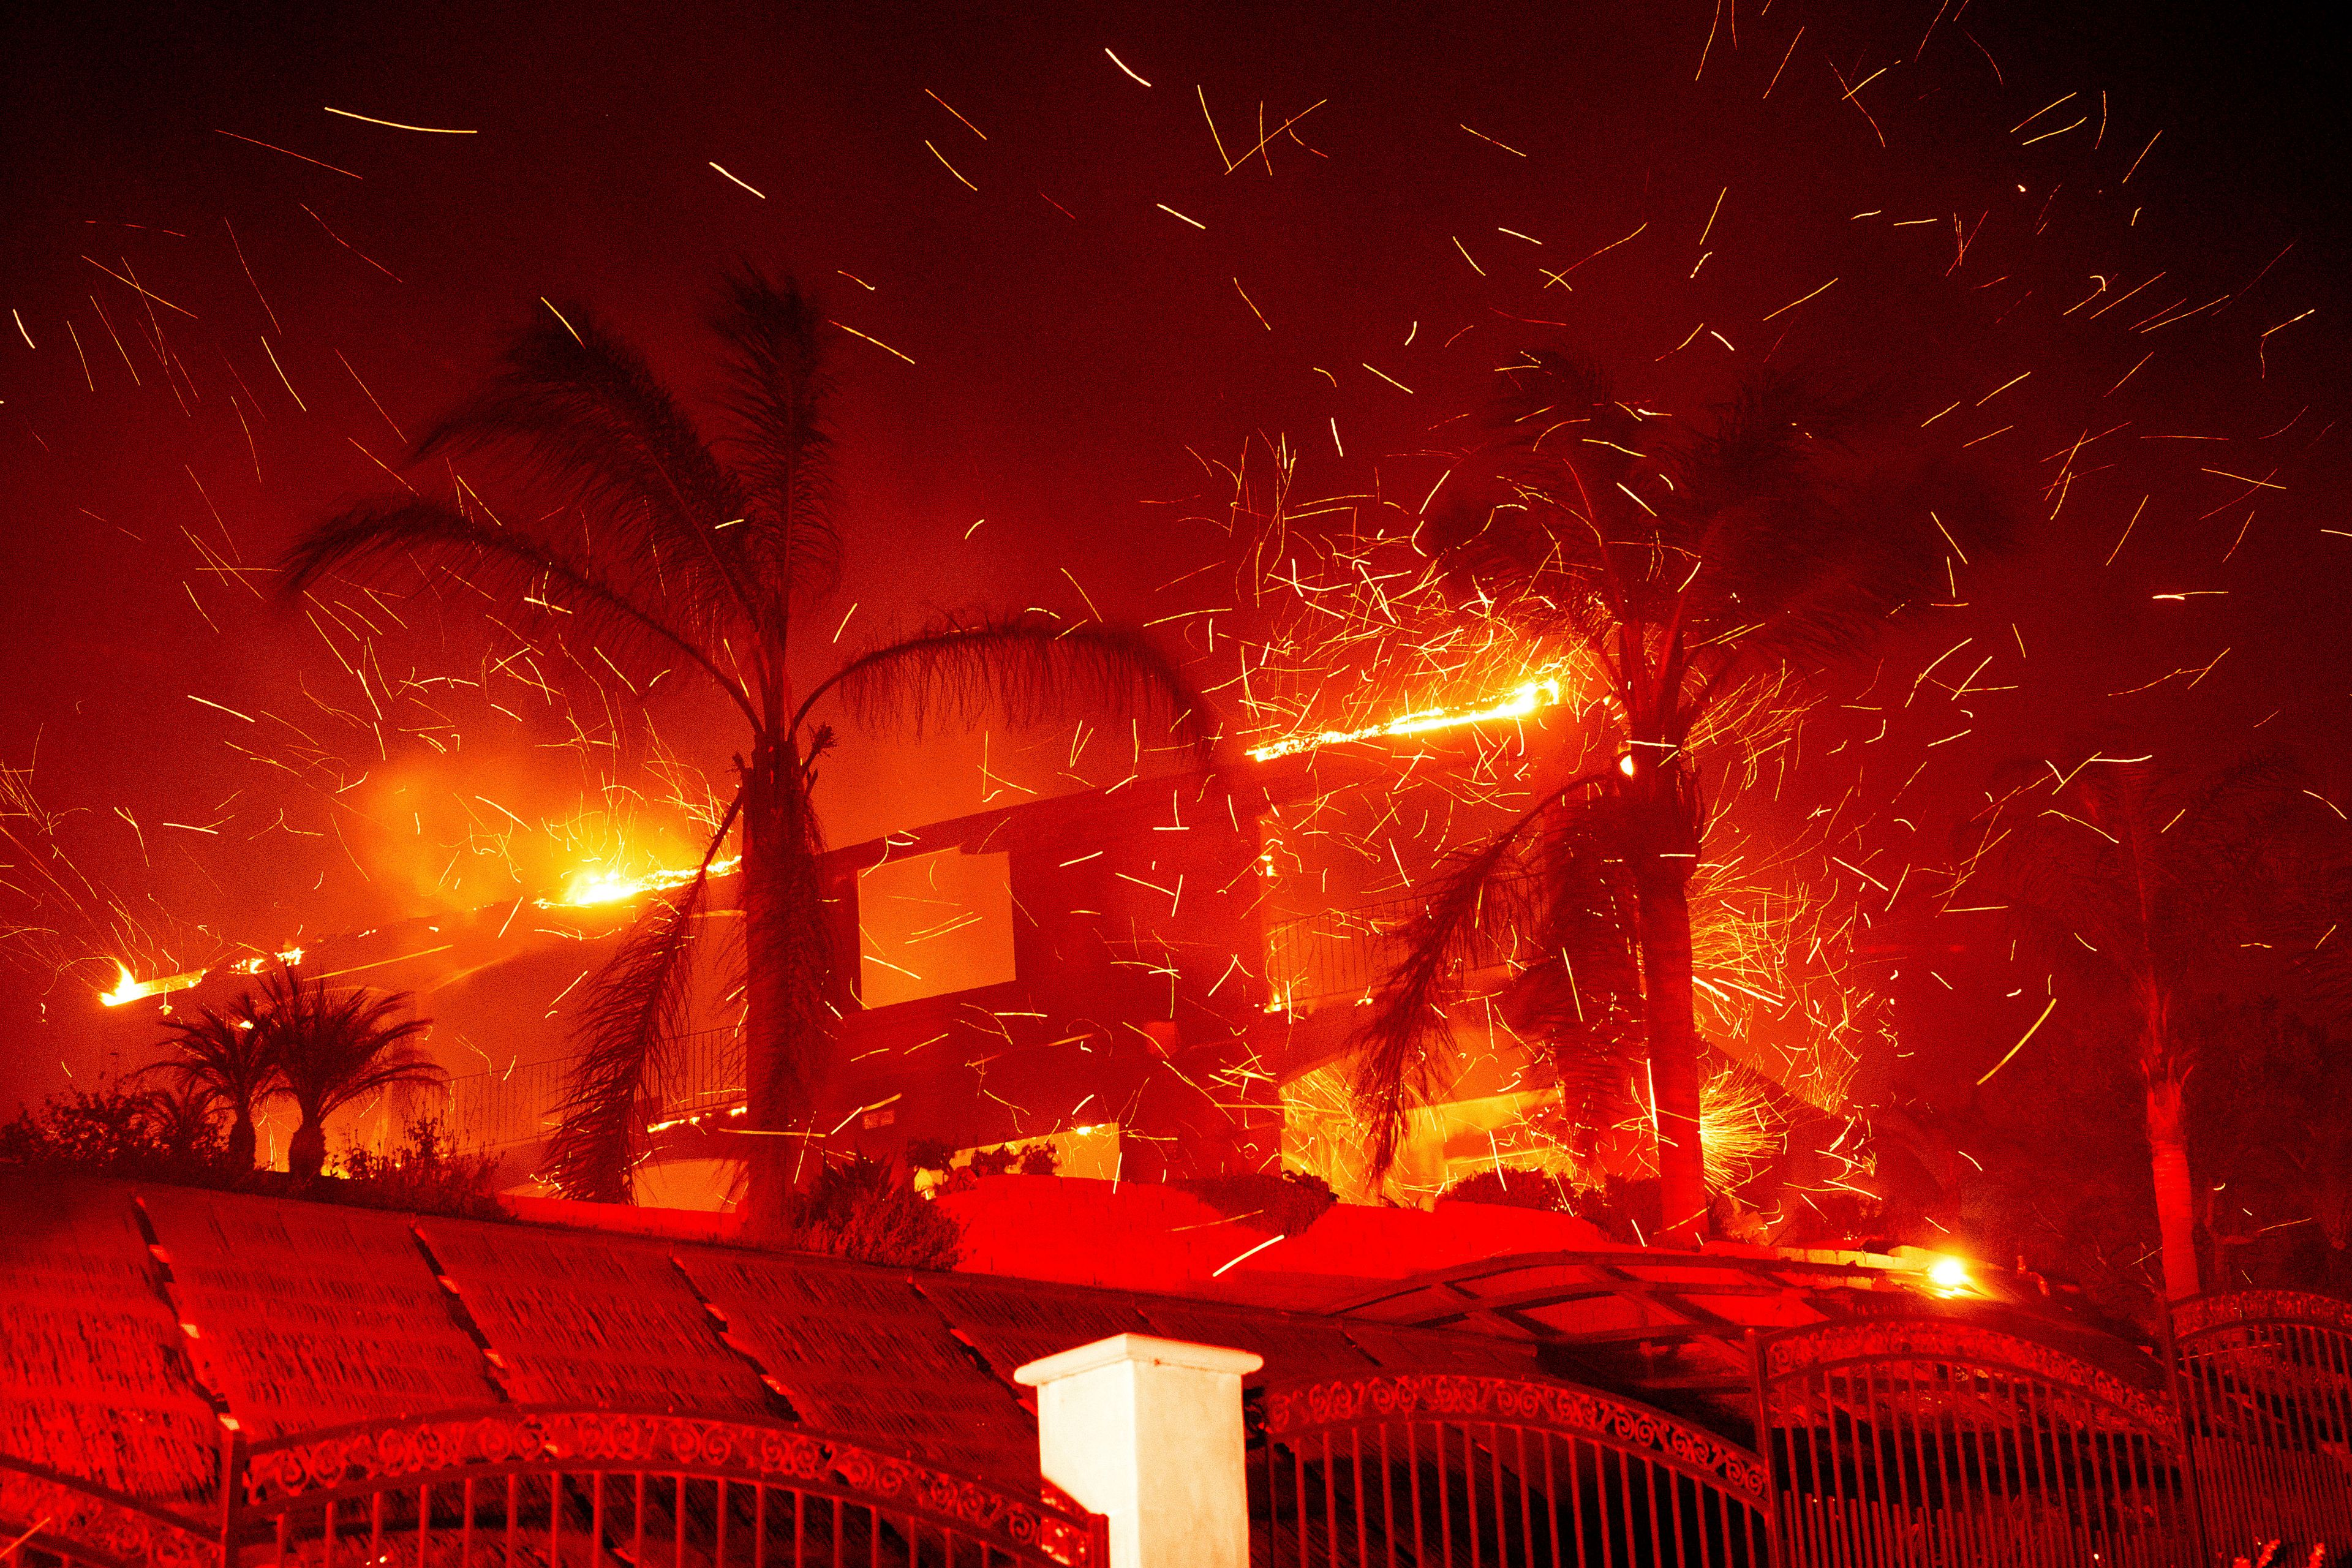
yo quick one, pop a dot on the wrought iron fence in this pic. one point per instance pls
(2266, 1392)
(1440, 1467)
(1920, 1440)
(519, 1104)
(584, 1489)
(1913, 1440)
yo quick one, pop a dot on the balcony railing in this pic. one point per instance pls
(522, 1104)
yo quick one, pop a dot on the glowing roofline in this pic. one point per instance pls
(1524, 701)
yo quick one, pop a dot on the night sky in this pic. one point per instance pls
(1107, 290)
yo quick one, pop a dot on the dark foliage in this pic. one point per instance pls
(861, 1210)
(1286, 1204)
(1626, 1211)
(1520, 1190)
(1016, 1160)
(120, 1132)
(426, 1173)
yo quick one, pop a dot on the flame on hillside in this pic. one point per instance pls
(1526, 700)
(130, 988)
(595, 885)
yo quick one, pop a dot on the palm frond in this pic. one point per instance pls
(1580, 998)
(1810, 575)
(1480, 901)
(1028, 668)
(778, 389)
(227, 1053)
(630, 1023)
(579, 413)
(397, 527)
(334, 1048)
(2151, 888)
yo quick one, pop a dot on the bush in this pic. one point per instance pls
(928, 1154)
(1287, 1203)
(426, 1174)
(1026, 1160)
(1520, 1190)
(116, 1131)
(863, 1212)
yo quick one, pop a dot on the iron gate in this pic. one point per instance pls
(1934, 1440)
(1434, 1468)
(519, 1487)
(2265, 1393)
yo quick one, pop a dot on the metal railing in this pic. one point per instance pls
(1343, 955)
(538, 1487)
(1880, 1442)
(507, 1107)
(2264, 1384)
(1427, 1467)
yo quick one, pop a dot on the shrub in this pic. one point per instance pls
(1520, 1190)
(1287, 1203)
(426, 1174)
(117, 1132)
(1027, 1160)
(928, 1154)
(863, 1212)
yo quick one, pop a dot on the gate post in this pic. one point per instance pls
(2191, 1481)
(1149, 1432)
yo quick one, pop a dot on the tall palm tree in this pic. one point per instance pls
(2151, 891)
(706, 554)
(1682, 569)
(229, 1056)
(334, 1048)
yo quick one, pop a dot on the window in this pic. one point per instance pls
(932, 925)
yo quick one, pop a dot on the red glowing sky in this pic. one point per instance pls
(1080, 353)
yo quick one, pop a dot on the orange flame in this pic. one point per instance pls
(1521, 702)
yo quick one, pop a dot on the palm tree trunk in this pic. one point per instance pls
(1665, 947)
(783, 1041)
(306, 1152)
(2176, 1216)
(241, 1142)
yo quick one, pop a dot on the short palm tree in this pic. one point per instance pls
(2150, 889)
(228, 1055)
(1680, 570)
(709, 556)
(334, 1048)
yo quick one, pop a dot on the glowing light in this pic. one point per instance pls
(1949, 1274)
(1535, 694)
(602, 885)
(259, 962)
(131, 989)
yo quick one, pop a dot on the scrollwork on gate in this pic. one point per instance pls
(90, 1522)
(2206, 1313)
(288, 1471)
(1942, 1341)
(1555, 1407)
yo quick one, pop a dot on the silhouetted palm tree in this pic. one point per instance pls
(2153, 890)
(333, 1048)
(1682, 570)
(229, 1056)
(669, 547)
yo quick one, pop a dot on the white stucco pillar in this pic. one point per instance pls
(1149, 1433)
